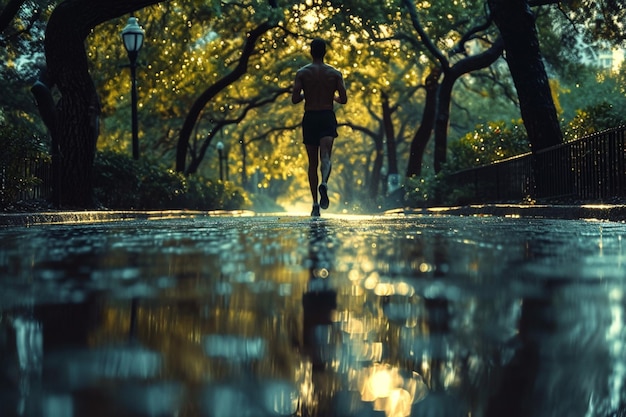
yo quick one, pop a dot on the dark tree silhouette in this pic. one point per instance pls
(422, 134)
(76, 130)
(516, 23)
(443, 99)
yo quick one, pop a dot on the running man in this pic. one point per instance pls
(319, 82)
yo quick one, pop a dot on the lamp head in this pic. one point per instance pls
(133, 36)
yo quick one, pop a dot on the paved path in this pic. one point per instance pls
(166, 313)
(572, 212)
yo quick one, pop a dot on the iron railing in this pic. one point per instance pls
(28, 179)
(592, 168)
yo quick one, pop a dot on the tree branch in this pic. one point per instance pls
(9, 12)
(423, 36)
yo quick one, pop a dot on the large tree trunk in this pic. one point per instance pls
(379, 154)
(76, 131)
(516, 23)
(444, 96)
(422, 135)
(392, 160)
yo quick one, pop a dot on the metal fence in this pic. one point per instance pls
(26, 179)
(592, 168)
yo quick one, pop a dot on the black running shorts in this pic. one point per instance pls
(318, 124)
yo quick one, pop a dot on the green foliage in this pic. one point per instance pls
(489, 142)
(147, 184)
(420, 191)
(603, 19)
(21, 152)
(433, 190)
(593, 119)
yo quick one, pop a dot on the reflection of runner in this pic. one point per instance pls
(319, 82)
(320, 300)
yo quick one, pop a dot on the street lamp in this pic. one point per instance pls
(133, 36)
(220, 155)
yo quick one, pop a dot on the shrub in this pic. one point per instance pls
(593, 119)
(122, 183)
(489, 142)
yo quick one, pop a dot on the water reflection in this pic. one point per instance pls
(410, 316)
(319, 301)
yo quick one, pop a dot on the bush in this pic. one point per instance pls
(489, 142)
(437, 190)
(593, 119)
(122, 183)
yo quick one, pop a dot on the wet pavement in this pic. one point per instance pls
(390, 315)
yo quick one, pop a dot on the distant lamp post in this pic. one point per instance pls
(133, 36)
(220, 155)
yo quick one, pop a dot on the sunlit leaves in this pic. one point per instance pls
(489, 142)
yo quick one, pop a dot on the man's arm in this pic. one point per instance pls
(296, 93)
(342, 97)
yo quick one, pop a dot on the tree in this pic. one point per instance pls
(422, 134)
(75, 132)
(240, 69)
(516, 23)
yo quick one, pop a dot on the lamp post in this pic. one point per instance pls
(133, 36)
(220, 155)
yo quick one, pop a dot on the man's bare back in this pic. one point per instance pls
(319, 83)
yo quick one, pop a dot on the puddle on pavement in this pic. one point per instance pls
(279, 316)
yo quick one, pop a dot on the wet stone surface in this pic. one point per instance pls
(341, 316)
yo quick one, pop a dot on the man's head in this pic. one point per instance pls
(318, 48)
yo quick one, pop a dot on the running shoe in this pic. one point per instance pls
(324, 196)
(316, 210)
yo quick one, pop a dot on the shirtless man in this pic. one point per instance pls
(319, 82)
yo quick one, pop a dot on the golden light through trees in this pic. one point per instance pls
(191, 44)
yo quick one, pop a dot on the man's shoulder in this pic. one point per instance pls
(305, 68)
(332, 69)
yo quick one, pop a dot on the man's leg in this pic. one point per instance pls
(312, 152)
(326, 147)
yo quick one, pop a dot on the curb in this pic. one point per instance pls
(615, 213)
(103, 216)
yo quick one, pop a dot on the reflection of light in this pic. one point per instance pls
(234, 347)
(321, 273)
(367, 265)
(354, 326)
(402, 288)
(399, 403)
(29, 340)
(380, 383)
(617, 323)
(391, 392)
(354, 275)
(616, 346)
(371, 281)
(281, 398)
(396, 288)
(383, 289)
